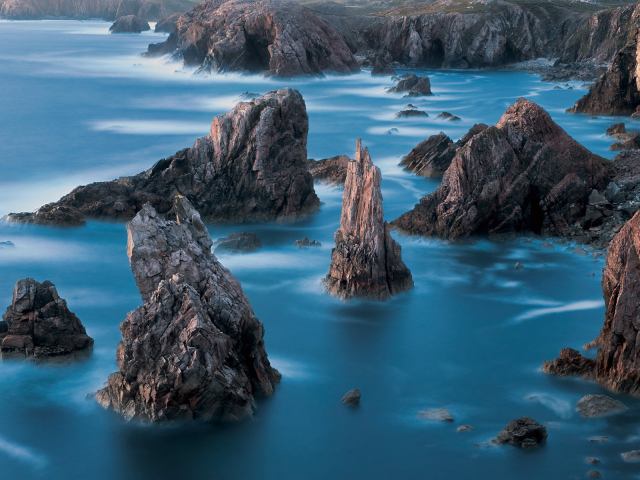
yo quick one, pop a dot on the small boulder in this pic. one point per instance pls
(352, 397)
(464, 428)
(592, 459)
(596, 199)
(632, 456)
(305, 242)
(580, 251)
(168, 24)
(523, 432)
(412, 84)
(591, 406)
(129, 24)
(518, 266)
(611, 192)
(237, 243)
(439, 414)
(448, 116)
(410, 113)
(594, 474)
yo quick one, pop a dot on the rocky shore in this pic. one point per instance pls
(366, 261)
(252, 167)
(194, 350)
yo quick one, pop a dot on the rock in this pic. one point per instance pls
(439, 414)
(277, 38)
(599, 439)
(448, 116)
(631, 141)
(366, 261)
(632, 456)
(432, 157)
(596, 199)
(329, 170)
(380, 67)
(580, 251)
(570, 362)
(306, 243)
(168, 24)
(594, 474)
(591, 406)
(518, 266)
(523, 175)
(352, 397)
(129, 24)
(252, 167)
(413, 85)
(593, 217)
(524, 432)
(592, 460)
(6, 244)
(547, 245)
(194, 350)
(464, 428)
(616, 129)
(410, 113)
(39, 324)
(237, 243)
(611, 192)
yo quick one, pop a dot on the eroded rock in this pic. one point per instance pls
(352, 397)
(523, 432)
(412, 85)
(332, 171)
(591, 406)
(129, 24)
(238, 243)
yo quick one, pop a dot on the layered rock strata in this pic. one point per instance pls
(252, 167)
(366, 262)
(525, 174)
(194, 350)
(39, 324)
(274, 37)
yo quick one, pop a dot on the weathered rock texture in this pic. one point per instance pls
(523, 175)
(168, 24)
(252, 167)
(381, 67)
(238, 243)
(39, 324)
(618, 364)
(129, 24)
(432, 157)
(592, 406)
(275, 37)
(412, 85)
(366, 261)
(523, 432)
(194, 350)
(329, 170)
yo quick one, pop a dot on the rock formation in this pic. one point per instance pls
(330, 170)
(412, 85)
(168, 24)
(275, 37)
(432, 157)
(352, 397)
(366, 261)
(39, 324)
(381, 67)
(252, 167)
(237, 243)
(194, 350)
(438, 414)
(592, 406)
(129, 24)
(618, 363)
(523, 175)
(305, 242)
(523, 432)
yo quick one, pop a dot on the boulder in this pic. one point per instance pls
(591, 406)
(39, 324)
(380, 67)
(594, 474)
(438, 414)
(252, 167)
(632, 456)
(412, 85)
(432, 157)
(305, 242)
(366, 261)
(412, 112)
(464, 428)
(168, 24)
(194, 349)
(332, 171)
(277, 38)
(448, 116)
(237, 243)
(523, 432)
(352, 397)
(523, 175)
(616, 129)
(129, 24)
(592, 460)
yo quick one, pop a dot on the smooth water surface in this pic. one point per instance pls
(79, 105)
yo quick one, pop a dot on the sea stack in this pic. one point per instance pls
(194, 350)
(525, 174)
(366, 262)
(617, 366)
(39, 324)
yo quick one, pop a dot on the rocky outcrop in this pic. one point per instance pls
(432, 157)
(617, 91)
(39, 324)
(570, 362)
(274, 37)
(129, 24)
(381, 67)
(410, 111)
(523, 432)
(305, 242)
(366, 262)
(168, 24)
(525, 174)
(237, 243)
(412, 85)
(194, 350)
(592, 406)
(252, 167)
(330, 170)
(438, 414)
(108, 10)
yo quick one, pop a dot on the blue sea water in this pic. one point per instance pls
(80, 105)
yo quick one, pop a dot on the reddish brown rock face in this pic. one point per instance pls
(252, 167)
(524, 174)
(366, 262)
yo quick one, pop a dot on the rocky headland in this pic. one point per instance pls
(274, 37)
(525, 174)
(194, 350)
(39, 325)
(129, 24)
(366, 261)
(252, 167)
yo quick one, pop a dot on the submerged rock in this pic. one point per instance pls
(39, 324)
(366, 261)
(432, 157)
(464, 428)
(438, 414)
(237, 243)
(252, 167)
(129, 24)
(594, 474)
(352, 397)
(332, 171)
(305, 242)
(591, 406)
(194, 350)
(523, 175)
(632, 456)
(412, 85)
(523, 432)
(279, 38)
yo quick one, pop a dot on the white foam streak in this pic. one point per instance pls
(23, 454)
(569, 307)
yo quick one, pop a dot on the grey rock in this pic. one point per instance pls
(594, 474)
(129, 24)
(591, 406)
(237, 243)
(632, 456)
(611, 191)
(412, 85)
(352, 397)
(596, 199)
(464, 428)
(523, 432)
(305, 242)
(592, 460)
(518, 266)
(438, 414)
(580, 251)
